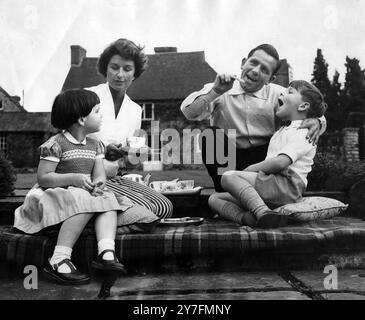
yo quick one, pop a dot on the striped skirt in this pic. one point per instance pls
(142, 195)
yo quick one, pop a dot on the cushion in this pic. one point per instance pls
(313, 208)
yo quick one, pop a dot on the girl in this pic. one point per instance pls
(71, 189)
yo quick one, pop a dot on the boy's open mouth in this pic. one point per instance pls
(281, 102)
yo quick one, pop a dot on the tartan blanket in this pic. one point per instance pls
(210, 239)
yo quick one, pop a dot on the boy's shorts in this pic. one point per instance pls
(279, 189)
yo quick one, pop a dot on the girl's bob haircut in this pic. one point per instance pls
(70, 105)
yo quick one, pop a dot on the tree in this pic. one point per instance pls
(354, 89)
(330, 91)
(320, 74)
(335, 111)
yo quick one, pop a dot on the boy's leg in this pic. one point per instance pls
(241, 186)
(105, 229)
(229, 208)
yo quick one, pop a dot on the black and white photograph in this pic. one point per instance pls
(182, 156)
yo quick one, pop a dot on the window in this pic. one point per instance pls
(3, 143)
(1, 105)
(148, 111)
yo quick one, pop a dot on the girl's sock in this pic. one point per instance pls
(60, 253)
(106, 244)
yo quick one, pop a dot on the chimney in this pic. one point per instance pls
(78, 53)
(165, 50)
(15, 98)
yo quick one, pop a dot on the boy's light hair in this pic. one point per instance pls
(311, 94)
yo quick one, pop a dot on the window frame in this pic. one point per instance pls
(3, 143)
(143, 105)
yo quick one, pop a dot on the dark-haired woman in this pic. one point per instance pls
(121, 63)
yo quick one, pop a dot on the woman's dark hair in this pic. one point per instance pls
(311, 94)
(127, 49)
(70, 105)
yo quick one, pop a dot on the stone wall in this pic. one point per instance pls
(351, 144)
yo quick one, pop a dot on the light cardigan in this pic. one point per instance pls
(116, 130)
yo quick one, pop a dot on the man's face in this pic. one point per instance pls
(257, 71)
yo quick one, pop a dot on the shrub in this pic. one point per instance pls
(7, 177)
(327, 173)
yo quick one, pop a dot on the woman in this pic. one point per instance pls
(121, 63)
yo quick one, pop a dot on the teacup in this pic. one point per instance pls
(136, 142)
(134, 177)
(185, 184)
(157, 185)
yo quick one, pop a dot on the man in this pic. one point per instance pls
(247, 105)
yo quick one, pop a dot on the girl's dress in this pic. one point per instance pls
(46, 207)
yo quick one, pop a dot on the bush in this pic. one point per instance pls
(7, 177)
(327, 173)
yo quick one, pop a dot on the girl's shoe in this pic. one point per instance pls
(73, 278)
(272, 219)
(108, 265)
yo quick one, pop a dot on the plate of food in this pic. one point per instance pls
(181, 222)
(175, 187)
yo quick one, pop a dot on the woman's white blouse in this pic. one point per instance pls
(116, 130)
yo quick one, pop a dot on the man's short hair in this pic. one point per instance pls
(271, 51)
(311, 94)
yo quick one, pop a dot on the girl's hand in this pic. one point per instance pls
(83, 181)
(99, 184)
(98, 189)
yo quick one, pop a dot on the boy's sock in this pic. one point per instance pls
(251, 200)
(60, 253)
(105, 244)
(231, 211)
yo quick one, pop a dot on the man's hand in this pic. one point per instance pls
(82, 181)
(115, 152)
(313, 126)
(223, 82)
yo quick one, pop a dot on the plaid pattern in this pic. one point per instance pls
(212, 238)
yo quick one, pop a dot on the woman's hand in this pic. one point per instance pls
(115, 151)
(82, 181)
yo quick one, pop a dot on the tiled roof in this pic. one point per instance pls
(15, 103)
(169, 76)
(25, 121)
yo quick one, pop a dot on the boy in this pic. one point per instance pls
(282, 177)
